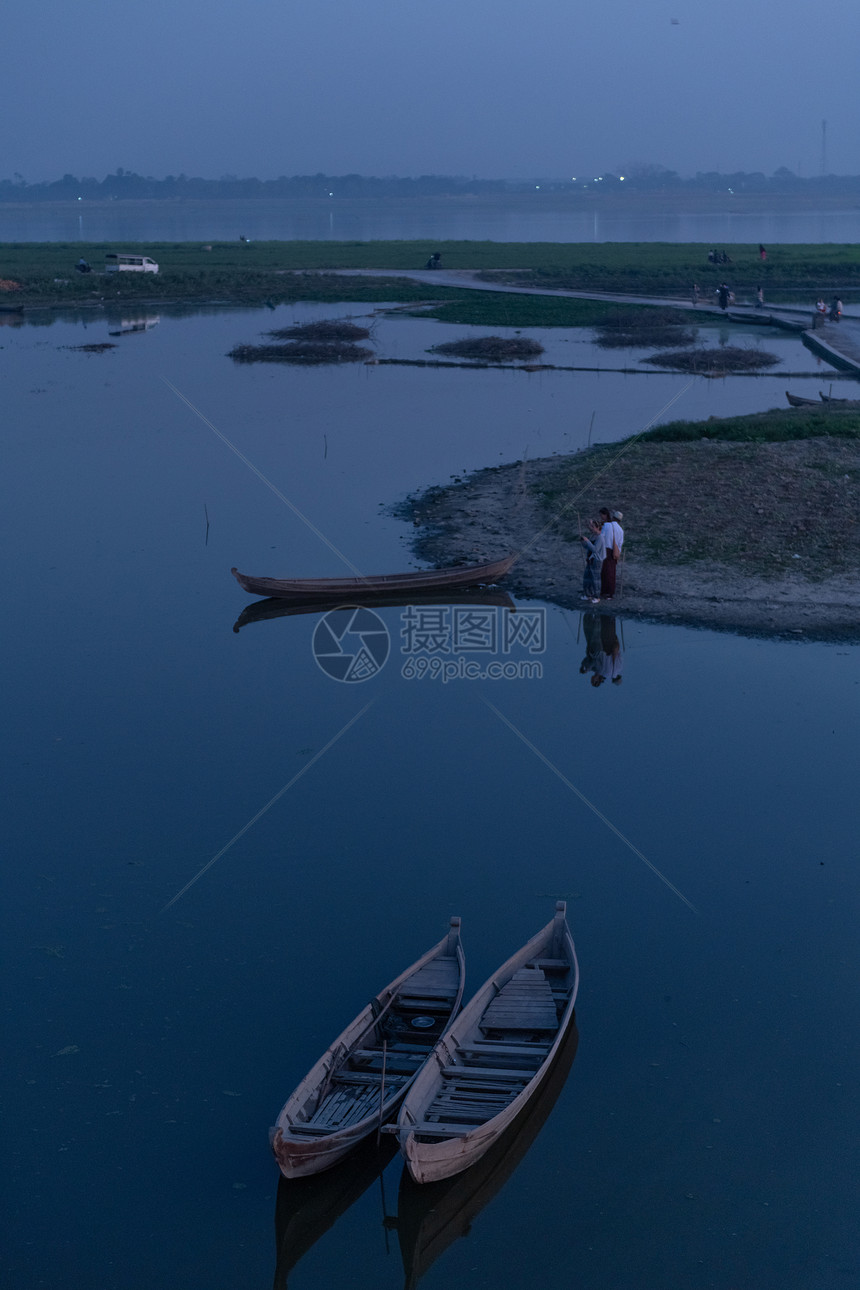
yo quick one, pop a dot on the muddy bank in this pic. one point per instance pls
(760, 538)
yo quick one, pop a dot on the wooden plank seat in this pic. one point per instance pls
(480, 1106)
(421, 1003)
(552, 965)
(525, 1003)
(487, 1073)
(406, 1064)
(439, 1130)
(370, 1078)
(539, 1048)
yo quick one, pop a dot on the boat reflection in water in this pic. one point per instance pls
(262, 610)
(431, 1216)
(307, 1207)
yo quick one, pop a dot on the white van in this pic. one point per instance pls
(122, 262)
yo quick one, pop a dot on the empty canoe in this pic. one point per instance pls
(361, 1078)
(494, 1058)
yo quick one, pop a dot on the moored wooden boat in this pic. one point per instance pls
(431, 1217)
(262, 610)
(351, 590)
(361, 1078)
(839, 403)
(491, 1062)
(797, 402)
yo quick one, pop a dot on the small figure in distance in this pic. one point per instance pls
(694, 295)
(723, 294)
(836, 309)
(82, 266)
(759, 298)
(435, 261)
(762, 253)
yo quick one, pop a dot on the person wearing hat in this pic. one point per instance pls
(613, 535)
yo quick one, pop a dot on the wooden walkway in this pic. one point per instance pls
(837, 343)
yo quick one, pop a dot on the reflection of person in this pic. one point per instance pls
(611, 662)
(603, 656)
(593, 645)
(595, 554)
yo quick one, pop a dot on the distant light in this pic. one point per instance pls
(731, 190)
(537, 185)
(621, 177)
(79, 199)
(573, 179)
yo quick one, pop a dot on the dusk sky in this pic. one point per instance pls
(495, 89)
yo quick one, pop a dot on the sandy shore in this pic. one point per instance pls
(505, 509)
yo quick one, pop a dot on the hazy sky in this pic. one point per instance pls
(493, 88)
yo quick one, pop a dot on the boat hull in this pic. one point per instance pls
(340, 1102)
(355, 590)
(432, 1161)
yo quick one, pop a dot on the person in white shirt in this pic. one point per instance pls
(613, 535)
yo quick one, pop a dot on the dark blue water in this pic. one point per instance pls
(537, 217)
(703, 1136)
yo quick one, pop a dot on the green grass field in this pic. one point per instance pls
(248, 272)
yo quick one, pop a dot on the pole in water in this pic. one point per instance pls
(382, 1090)
(206, 513)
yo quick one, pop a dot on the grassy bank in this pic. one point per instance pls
(757, 493)
(248, 272)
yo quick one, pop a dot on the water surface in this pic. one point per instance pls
(701, 1136)
(538, 217)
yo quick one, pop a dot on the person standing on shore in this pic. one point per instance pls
(695, 293)
(613, 536)
(762, 253)
(723, 294)
(595, 554)
(759, 298)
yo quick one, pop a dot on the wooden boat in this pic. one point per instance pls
(352, 590)
(430, 1218)
(797, 402)
(361, 1078)
(492, 1061)
(839, 403)
(262, 610)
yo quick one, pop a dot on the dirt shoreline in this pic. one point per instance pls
(506, 508)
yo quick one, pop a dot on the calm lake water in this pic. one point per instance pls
(537, 217)
(706, 1133)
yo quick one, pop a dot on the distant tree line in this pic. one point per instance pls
(124, 184)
